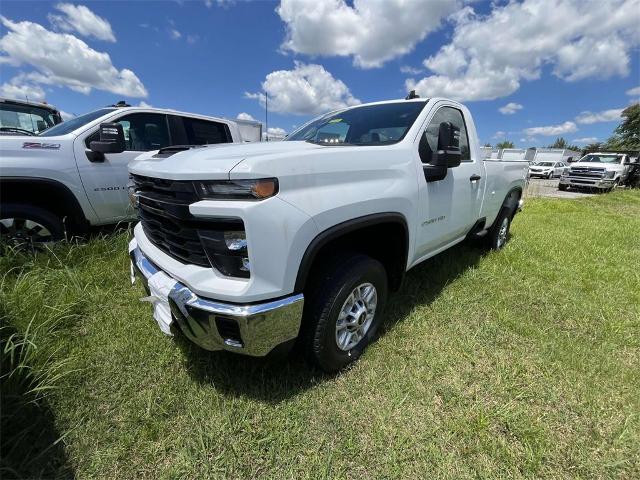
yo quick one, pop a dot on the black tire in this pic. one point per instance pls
(562, 187)
(326, 296)
(550, 176)
(495, 240)
(15, 234)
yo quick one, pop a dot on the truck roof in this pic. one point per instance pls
(168, 111)
(28, 103)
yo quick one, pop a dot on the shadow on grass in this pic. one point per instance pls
(279, 377)
(30, 444)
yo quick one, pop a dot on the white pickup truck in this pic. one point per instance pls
(248, 247)
(53, 183)
(603, 171)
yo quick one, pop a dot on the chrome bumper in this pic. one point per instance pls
(253, 329)
(588, 182)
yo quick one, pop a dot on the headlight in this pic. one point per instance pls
(609, 174)
(258, 189)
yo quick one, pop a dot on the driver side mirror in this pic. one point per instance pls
(111, 139)
(448, 154)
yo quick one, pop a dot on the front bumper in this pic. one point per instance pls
(253, 329)
(604, 183)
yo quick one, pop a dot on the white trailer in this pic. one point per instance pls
(555, 155)
(250, 130)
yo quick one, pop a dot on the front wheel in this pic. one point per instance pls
(562, 187)
(25, 227)
(343, 310)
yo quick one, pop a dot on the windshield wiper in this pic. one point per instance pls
(16, 129)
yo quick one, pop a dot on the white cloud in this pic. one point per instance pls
(308, 89)
(192, 38)
(62, 59)
(17, 89)
(371, 31)
(410, 70)
(634, 91)
(174, 34)
(66, 115)
(585, 140)
(490, 55)
(566, 127)
(274, 133)
(598, 117)
(245, 116)
(510, 108)
(78, 18)
(499, 134)
(144, 104)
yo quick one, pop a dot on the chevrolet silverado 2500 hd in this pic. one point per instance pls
(56, 182)
(245, 247)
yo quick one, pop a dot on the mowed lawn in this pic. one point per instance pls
(521, 363)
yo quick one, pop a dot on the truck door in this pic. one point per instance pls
(449, 207)
(106, 181)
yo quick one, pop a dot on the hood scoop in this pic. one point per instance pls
(173, 149)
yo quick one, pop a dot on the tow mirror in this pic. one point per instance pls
(448, 154)
(111, 139)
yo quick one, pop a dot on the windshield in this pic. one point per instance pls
(77, 122)
(601, 159)
(544, 164)
(381, 124)
(27, 119)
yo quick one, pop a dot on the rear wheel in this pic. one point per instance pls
(562, 187)
(499, 231)
(26, 227)
(343, 310)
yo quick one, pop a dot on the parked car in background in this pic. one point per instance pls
(248, 247)
(600, 170)
(58, 182)
(547, 169)
(22, 117)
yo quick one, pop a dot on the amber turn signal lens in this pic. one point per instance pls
(265, 188)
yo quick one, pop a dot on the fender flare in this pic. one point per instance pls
(340, 229)
(70, 201)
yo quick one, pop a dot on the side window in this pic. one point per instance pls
(453, 115)
(145, 131)
(203, 132)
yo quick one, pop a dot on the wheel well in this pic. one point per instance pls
(512, 198)
(47, 194)
(384, 237)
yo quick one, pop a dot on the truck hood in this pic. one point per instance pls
(213, 162)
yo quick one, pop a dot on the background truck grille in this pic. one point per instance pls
(586, 172)
(163, 209)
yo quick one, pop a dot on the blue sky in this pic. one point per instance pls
(210, 57)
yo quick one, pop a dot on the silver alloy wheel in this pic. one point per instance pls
(502, 233)
(22, 232)
(356, 316)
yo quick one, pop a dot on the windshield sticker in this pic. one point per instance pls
(45, 146)
(335, 120)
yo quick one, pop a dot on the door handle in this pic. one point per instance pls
(474, 177)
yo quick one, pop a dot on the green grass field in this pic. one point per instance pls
(521, 363)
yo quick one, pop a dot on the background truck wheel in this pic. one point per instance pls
(343, 310)
(26, 227)
(550, 176)
(499, 232)
(562, 187)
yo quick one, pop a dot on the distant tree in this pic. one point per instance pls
(487, 145)
(627, 135)
(504, 144)
(593, 147)
(562, 143)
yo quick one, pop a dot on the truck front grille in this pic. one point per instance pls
(163, 209)
(586, 172)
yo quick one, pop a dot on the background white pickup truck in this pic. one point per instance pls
(53, 182)
(254, 245)
(597, 170)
